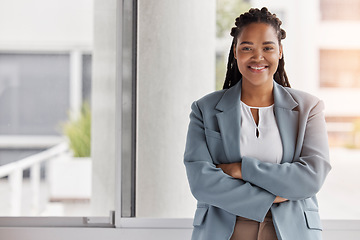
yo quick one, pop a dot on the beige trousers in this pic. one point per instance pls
(246, 229)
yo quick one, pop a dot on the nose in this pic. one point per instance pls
(257, 55)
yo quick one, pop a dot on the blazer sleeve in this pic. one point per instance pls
(303, 177)
(211, 185)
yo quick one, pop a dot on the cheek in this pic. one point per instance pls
(241, 63)
(275, 64)
(242, 60)
(274, 59)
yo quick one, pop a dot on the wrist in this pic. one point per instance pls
(238, 171)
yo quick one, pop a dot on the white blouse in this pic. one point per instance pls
(261, 141)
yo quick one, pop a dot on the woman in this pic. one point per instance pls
(257, 151)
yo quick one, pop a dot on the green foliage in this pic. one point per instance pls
(78, 133)
(226, 12)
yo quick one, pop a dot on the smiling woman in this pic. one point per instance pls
(263, 185)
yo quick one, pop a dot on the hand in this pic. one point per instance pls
(232, 169)
(280, 199)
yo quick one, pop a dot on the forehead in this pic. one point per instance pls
(258, 31)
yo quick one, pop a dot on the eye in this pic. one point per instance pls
(268, 48)
(246, 49)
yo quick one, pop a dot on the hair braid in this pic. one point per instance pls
(232, 69)
(254, 15)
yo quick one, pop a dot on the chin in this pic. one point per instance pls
(259, 81)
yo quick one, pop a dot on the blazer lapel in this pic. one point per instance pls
(229, 121)
(287, 120)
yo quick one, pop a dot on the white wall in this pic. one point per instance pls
(176, 66)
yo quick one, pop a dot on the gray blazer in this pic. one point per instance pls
(214, 137)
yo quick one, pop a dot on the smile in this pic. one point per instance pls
(257, 68)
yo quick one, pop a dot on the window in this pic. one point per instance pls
(339, 82)
(334, 10)
(340, 68)
(33, 83)
(29, 81)
(45, 81)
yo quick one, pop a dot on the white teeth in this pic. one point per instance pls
(257, 68)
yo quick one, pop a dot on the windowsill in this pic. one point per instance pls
(138, 223)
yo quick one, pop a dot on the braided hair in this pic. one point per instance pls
(254, 15)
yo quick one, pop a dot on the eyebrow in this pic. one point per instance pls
(245, 42)
(250, 43)
(268, 42)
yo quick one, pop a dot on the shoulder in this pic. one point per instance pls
(305, 100)
(210, 100)
(301, 97)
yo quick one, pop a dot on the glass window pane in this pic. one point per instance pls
(32, 84)
(86, 77)
(46, 110)
(35, 104)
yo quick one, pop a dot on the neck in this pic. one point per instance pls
(257, 96)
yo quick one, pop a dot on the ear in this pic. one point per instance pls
(280, 51)
(234, 50)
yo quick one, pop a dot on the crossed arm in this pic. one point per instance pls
(249, 188)
(296, 179)
(234, 170)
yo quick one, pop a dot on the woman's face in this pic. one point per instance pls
(257, 52)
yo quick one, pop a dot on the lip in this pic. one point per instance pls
(258, 68)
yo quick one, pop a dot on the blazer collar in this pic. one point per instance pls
(282, 98)
(287, 119)
(229, 120)
(232, 97)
